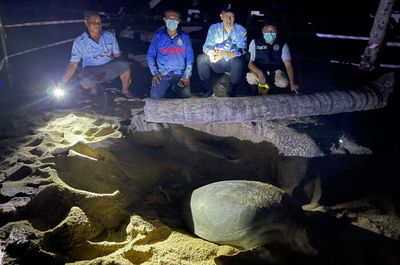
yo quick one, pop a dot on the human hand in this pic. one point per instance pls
(211, 55)
(215, 55)
(186, 81)
(261, 78)
(294, 88)
(62, 83)
(221, 54)
(156, 79)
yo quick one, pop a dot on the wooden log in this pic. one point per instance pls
(245, 109)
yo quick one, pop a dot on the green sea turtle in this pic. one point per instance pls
(247, 214)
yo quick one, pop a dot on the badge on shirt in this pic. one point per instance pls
(180, 42)
(276, 47)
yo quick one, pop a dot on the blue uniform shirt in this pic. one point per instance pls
(168, 55)
(92, 53)
(219, 39)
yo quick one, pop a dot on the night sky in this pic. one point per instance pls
(299, 21)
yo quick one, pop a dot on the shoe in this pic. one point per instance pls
(208, 94)
(206, 87)
(233, 90)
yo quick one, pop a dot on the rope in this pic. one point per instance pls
(44, 23)
(348, 37)
(42, 47)
(2, 63)
(34, 49)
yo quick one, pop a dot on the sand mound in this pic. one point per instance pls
(75, 180)
(79, 191)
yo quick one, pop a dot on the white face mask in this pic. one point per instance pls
(269, 36)
(171, 24)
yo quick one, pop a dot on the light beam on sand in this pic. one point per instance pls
(74, 153)
(78, 139)
(71, 129)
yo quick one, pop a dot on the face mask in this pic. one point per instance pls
(171, 24)
(269, 37)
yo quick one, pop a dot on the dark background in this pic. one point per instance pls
(298, 20)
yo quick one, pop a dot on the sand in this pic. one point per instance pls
(79, 187)
(77, 179)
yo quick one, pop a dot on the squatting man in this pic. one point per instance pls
(269, 58)
(100, 55)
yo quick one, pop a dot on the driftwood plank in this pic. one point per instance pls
(377, 34)
(244, 109)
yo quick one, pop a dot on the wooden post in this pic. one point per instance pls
(5, 53)
(377, 34)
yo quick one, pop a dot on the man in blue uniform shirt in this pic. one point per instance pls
(223, 51)
(97, 50)
(170, 59)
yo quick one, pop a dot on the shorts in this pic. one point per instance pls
(92, 75)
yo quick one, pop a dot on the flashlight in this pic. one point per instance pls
(58, 92)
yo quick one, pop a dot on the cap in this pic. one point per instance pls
(227, 8)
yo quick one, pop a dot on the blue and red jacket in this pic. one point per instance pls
(168, 55)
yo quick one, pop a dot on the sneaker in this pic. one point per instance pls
(208, 94)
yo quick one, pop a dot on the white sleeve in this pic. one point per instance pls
(286, 53)
(252, 51)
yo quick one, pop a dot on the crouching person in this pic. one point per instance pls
(170, 59)
(224, 50)
(100, 55)
(269, 60)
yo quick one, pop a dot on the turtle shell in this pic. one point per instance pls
(241, 213)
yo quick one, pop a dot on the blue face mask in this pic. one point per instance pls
(269, 36)
(171, 24)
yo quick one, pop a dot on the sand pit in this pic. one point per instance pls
(83, 188)
(80, 200)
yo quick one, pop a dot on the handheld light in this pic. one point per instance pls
(58, 92)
